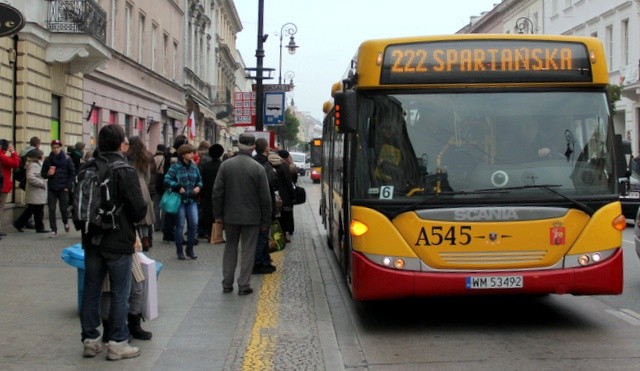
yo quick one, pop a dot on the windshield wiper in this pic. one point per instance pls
(547, 187)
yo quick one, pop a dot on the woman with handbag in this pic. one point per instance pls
(184, 178)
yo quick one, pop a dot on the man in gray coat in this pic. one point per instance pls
(241, 200)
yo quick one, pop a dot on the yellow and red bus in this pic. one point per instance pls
(474, 164)
(315, 159)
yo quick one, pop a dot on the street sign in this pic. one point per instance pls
(11, 20)
(273, 108)
(276, 87)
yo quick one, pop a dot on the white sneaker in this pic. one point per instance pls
(121, 350)
(91, 347)
(53, 234)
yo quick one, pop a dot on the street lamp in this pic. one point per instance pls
(524, 25)
(289, 75)
(290, 29)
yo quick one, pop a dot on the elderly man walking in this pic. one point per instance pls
(241, 200)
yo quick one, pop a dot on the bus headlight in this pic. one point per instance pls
(583, 260)
(587, 259)
(397, 263)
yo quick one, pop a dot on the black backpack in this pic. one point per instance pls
(20, 174)
(94, 198)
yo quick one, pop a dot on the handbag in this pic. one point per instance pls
(277, 239)
(299, 195)
(170, 202)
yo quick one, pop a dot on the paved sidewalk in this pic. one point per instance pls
(285, 325)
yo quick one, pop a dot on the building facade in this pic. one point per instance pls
(140, 86)
(41, 73)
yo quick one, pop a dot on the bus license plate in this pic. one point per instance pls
(494, 282)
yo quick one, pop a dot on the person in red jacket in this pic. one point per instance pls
(9, 160)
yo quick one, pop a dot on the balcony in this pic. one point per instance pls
(78, 33)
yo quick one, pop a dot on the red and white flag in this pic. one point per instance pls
(191, 124)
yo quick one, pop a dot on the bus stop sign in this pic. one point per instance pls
(273, 108)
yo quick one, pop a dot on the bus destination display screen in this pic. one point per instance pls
(485, 61)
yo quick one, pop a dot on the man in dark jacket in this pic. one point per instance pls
(209, 170)
(59, 171)
(262, 263)
(111, 252)
(241, 200)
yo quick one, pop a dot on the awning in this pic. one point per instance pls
(175, 114)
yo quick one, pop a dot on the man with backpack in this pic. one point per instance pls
(109, 251)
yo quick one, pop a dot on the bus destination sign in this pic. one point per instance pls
(485, 61)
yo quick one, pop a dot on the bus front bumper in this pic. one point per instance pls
(373, 282)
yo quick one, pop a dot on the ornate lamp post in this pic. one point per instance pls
(289, 75)
(524, 25)
(290, 29)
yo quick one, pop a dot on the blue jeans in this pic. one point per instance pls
(262, 248)
(188, 212)
(97, 265)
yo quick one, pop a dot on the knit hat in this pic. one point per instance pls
(247, 139)
(283, 153)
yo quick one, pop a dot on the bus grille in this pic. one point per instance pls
(493, 257)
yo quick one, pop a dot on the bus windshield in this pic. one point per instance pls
(468, 145)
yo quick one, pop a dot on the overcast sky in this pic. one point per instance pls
(330, 31)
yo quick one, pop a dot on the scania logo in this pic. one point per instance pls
(496, 213)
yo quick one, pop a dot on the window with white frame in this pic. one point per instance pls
(127, 26)
(141, 21)
(154, 51)
(625, 41)
(113, 12)
(608, 34)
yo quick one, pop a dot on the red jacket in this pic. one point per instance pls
(8, 164)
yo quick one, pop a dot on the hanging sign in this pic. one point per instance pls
(11, 20)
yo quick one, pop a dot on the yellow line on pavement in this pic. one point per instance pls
(264, 338)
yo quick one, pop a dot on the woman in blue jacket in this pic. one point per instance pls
(184, 177)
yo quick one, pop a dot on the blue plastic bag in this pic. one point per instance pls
(170, 202)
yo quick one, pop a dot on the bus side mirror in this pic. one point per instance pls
(345, 111)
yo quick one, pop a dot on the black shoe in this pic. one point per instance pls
(263, 269)
(181, 257)
(2, 234)
(168, 241)
(245, 291)
(193, 256)
(227, 290)
(196, 242)
(43, 231)
(270, 268)
(18, 228)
